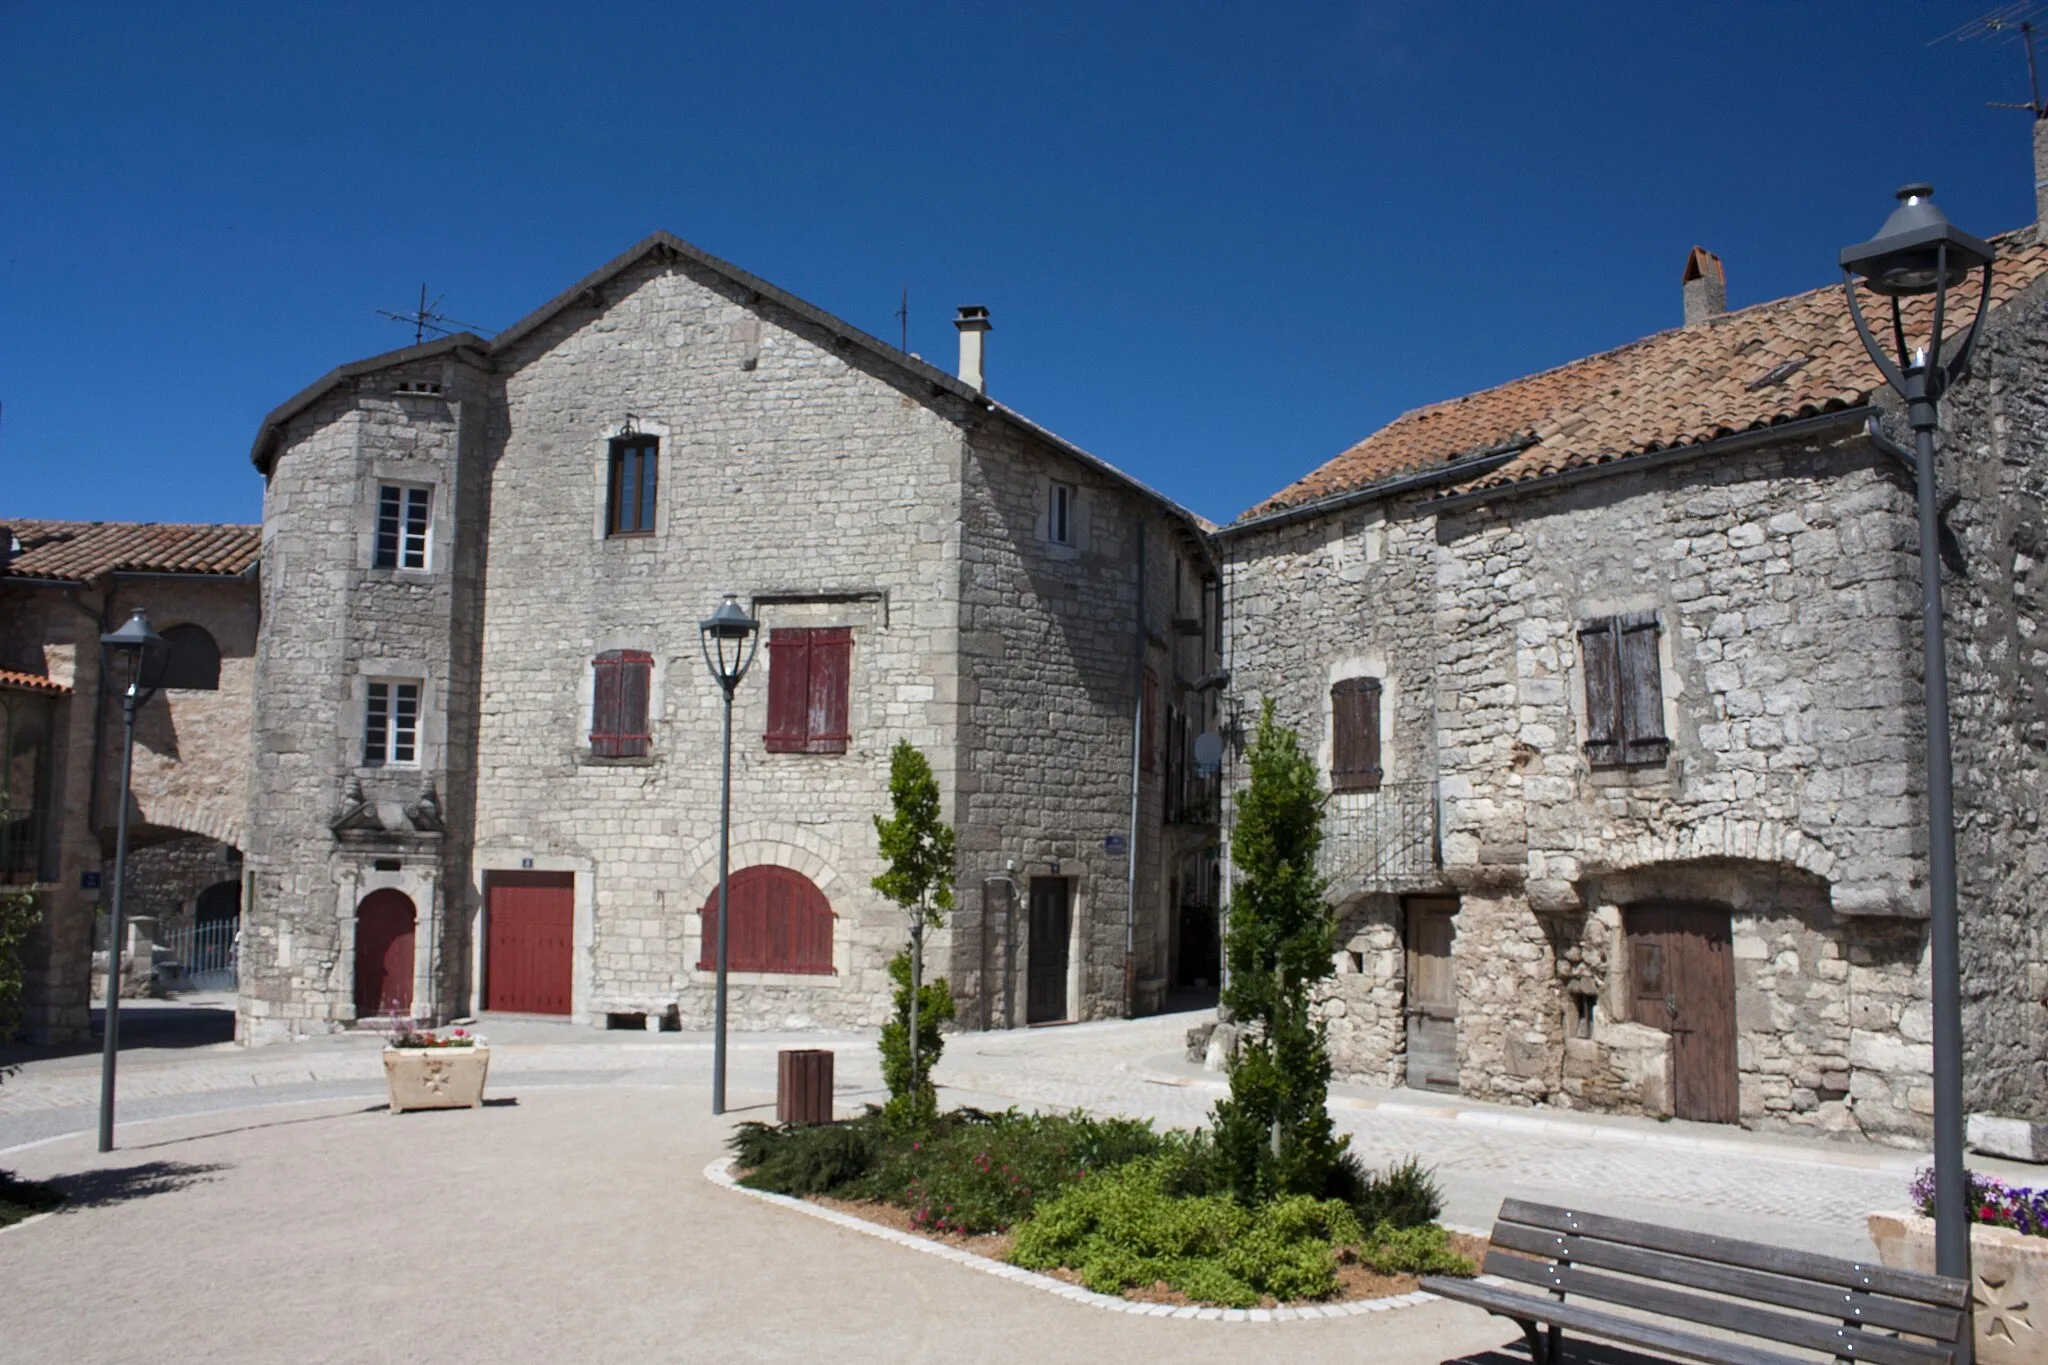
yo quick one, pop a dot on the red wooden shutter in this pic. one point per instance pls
(1599, 650)
(606, 704)
(831, 670)
(780, 922)
(789, 690)
(1355, 735)
(1642, 689)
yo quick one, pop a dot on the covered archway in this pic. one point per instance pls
(386, 922)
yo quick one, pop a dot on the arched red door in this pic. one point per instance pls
(384, 938)
(781, 922)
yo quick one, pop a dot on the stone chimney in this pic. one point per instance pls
(972, 320)
(2041, 173)
(1705, 286)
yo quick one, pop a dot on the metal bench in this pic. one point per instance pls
(1846, 1309)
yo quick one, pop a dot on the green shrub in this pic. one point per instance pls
(21, 1199)
(913, 1107)
(813, 1159)
(18, 915)
(1405, 1196)
(1126, 1228)
(1412, 1251)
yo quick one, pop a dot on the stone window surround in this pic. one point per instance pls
(400, 474)
(586, 703)
(601, 481)
(1669, 676)
(1368, 665)
(428, 738)
(1080, 517)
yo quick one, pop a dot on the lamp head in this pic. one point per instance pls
(1905, 257)
(134, 655)
(726, 635)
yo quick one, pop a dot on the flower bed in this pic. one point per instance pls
(1112, 1204)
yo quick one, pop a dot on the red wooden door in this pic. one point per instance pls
(528, 949)
(385, 924)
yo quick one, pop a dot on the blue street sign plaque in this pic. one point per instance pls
(88, 881)
(1114, 843)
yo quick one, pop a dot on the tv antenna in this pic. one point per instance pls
(428, 318)
(2012, 23)
(903, 317)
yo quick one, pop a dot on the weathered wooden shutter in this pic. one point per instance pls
(831, 670)
(789, 690)
(1599, 650)
(1355, 735)
(1642, 689)
(780, 922)
(606, 704)
(1148, 747)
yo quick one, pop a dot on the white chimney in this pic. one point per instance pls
(972, 320)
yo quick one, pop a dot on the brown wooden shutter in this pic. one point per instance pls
(606, 704)
(831, 669)
(1642, 689)
(1355, 735)
(780, 922)
(1599, 649)
(789, 690)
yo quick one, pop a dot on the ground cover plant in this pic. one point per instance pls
(21, 1199)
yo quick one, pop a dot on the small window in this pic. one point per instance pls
(1059, 520)
(1355, 735)
(622, 682)
(630, 502)
(194, 660)
(808, 674)
(402, 522)
(391, 724)
(1624, 691)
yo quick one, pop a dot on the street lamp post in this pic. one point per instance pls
(728, 637)
(1918, 251)
(132, 659)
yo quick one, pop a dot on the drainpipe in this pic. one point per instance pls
(1137, 786)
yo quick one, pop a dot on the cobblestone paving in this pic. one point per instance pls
(1795, 1191)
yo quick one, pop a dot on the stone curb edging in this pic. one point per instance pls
(32, 1218)
(719, 1172)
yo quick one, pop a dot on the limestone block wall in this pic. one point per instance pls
(1995, 587)
(332, 621)
(792, 474)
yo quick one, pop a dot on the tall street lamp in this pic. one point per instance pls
(132, 659)
(1918, 251)
(728, 637)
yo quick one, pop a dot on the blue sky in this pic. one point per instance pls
(1219, 242)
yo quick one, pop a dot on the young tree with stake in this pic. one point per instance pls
(918, 848)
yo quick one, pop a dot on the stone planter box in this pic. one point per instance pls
(436, 1077)
(2008, 1282)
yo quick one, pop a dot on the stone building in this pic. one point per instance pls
(62, 585)
(486, 746)
(1615, 676)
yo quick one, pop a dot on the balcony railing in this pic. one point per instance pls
(1383, 840)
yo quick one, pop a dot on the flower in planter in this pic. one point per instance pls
(428, 1038)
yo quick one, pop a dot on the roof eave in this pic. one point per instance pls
(274, 423)
(1393, 485)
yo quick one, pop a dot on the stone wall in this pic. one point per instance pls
(1995, 550)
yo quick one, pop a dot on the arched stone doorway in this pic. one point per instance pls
(220, 903)
(385, 925)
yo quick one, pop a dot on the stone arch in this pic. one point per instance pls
(796, 849)
(194, 659)
(1722, 838)
(174, 812)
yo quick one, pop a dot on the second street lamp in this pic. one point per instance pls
(728, 637)
(131, 659)
(1919, 252)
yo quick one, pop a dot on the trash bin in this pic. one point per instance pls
(803, 1085)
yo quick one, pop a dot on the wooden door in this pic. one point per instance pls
(529, 941)
(1432, 994)
(385, 926)
(1052, 916)
(1682, 980)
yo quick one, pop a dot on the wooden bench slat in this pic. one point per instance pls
(1899, 1315)
(1527, 1308)
(1722, 1313)
(1937, 1290)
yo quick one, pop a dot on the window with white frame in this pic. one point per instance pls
(403, 516)
(391, 724)
(1059, 514)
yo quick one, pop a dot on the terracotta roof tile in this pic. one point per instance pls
(77, 551)
(1770, 363)
(31, 682)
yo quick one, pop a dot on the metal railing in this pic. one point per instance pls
(1383, 840)
(199, 957)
